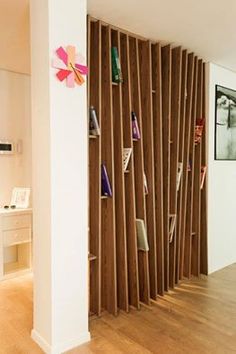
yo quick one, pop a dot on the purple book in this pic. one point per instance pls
(106, 187)
(135, 128)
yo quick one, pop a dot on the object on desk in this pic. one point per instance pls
(20, 197)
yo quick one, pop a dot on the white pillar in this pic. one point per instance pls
(59, 124)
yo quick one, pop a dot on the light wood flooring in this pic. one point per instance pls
(198, 317)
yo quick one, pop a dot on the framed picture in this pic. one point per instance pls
(20, 197)
(225, 123)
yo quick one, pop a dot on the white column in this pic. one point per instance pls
(59, 124)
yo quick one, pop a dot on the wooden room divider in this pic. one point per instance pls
(147, 212)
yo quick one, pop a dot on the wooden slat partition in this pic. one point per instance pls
(196, 204)
(185, 211)
(94, 98)
(132, 252)
(176, 67)
(181, 160)
(158, 158)
(144, 285)
(166, 110)
(120, 215)
(165, 87)
(148, 152)
(189, 232)
(109, 281)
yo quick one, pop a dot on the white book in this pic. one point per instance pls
(179, 174)
(172, 227)
(145, 184)
(126, 157)
(141, 235)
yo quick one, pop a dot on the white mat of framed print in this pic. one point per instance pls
(225, 123)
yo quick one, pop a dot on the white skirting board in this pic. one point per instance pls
(62, 347)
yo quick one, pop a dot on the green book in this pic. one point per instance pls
(116, 67)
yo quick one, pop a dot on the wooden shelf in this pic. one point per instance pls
(164, 86)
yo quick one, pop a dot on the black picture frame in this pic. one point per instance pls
(230, 94)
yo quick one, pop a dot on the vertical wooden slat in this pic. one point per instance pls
(158, 158)
(144, 285)
(120, 216)
(129, 177)
(148, 153)
(189, 232)
(94, 99)
(181, 160)
(166, 110)
(109, 282)
(204, 244)
(195, 257)
(184, 212)
(174, 149)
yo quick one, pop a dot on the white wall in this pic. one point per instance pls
(221, 184)
(15, 124)
(60, 180)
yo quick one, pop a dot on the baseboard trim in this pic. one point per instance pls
(62, 347)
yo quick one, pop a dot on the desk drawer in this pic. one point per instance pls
(16, 222)
(13, 237)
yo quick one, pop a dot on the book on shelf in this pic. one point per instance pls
(135, 128)
(203, 176)
(126, 157)
(179, 174)
(172, 222)
(106, 186)
(93, 122)
(198, 130)
(189, 166)
(116, 67)
(141, 235)
(145, 184)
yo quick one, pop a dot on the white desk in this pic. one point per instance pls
(15, 238)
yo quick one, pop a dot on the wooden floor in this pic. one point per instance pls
(198, 317)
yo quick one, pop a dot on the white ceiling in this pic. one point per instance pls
(207, 27)
(14, 35)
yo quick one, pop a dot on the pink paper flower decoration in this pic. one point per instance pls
(70, 69)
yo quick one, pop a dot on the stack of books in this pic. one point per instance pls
(116, 67)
